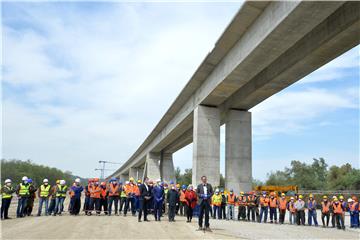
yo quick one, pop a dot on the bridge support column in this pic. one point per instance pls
(133, 172)
(140, 174)
(238, 156)
(167, 168)
(123, 178)
(206, 145)
(153, 166)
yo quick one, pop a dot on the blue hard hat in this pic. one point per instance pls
(183, 186)
(113, 179)
(171, 182)
(29, 180)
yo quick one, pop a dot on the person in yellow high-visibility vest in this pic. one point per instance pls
(216, 202)
(44, 194)
(6, 195)
(23, 194)
(60, 197)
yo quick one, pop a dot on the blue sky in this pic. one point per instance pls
(84, 82)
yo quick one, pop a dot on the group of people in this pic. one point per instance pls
(256, 207)
(141, 198)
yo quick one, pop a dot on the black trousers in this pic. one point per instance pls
(95, 202)
(327, 215)
(5, 204)
(130, 200)
(242, 213)
(76, 204)
(223, 211)
(204, 209)
(122, 203)
(104, 205)
(144, 205)
(282, 213)
(189, 213)
(300, 217)
(172, 211)
(251, 211)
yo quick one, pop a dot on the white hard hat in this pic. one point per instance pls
(217, 190)
(62, 182)
(77, 180)
(24, 178)
(127, 182)
(7, 181)
(350, 200)
(45, 180)
(159, 180)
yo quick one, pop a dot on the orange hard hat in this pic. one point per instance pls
(96, 179)
(354, 198)
(272, 194)
(103, 183)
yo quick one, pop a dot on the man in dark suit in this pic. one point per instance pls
(204, 191)
(145, 198)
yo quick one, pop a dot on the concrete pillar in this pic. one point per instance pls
(238, 162)
(153, 166)
(206, 145)
(124, 177)
(167, 168)
(140, 174)
(133, 173)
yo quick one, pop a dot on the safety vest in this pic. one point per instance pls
(231, 199)
(123, 193)
(182, 196)
(7, 195)
(325, 207)
(354, 207)
(61, 191)
(292, 208)
(44, 190)
(95, 192)
(264, 201)
(24, 190)
(273, 202)
(113, 190)
(242, 201)
(216, 199)
(282, 204)
(136, 190)
(251, 200)
(337, 208)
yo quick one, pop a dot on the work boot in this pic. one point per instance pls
(208, 229)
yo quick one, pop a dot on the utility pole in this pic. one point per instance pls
(102, 168)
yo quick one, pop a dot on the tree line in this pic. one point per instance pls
(15, 169)
(314, 176)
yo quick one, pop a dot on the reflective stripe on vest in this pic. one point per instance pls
(337, 208)
(44, 190)
(231, 199)
(6, 195)
(24, 190)
(273, 202)
(325, 208)
(61, 191)
(282, 204)
(114, 190)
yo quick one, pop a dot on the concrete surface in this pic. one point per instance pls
(167, 167)
(238, 145)
(153, 165)
(206, 148)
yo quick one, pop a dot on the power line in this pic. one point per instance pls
(102, 168)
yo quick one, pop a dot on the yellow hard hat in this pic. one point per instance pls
(324, 197)
(283, 194)
(57, 181)
(301, 196)
(310, 195)
(242, 193)
(139, 181)
(131, 179)
(178, 185)
(341, 197)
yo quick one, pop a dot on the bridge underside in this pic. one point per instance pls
(266, 48)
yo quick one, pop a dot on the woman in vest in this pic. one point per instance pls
(43, 194)
(6, 195)
(60, 197)
(23, 194)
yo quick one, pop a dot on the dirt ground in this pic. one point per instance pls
(120, 227)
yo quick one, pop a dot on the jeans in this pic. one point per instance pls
(51, 207)
(231, 212)
(122, 204)
(22, 202)
(216, 210)
(263, 211)
(59, 205)
(273, 214)
(95, 202)
(354, 219)
(204, 209)
(312, 215)
(292, 217)
(41, 201)
(158, 209)
(87, 204)
(112, 199)
(5, 204)
(130, 200)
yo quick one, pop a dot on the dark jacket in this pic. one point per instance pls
(145, 192)
(158, 193)
(202, 196)
(172, 197)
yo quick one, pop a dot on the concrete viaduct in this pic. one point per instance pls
(266, 47)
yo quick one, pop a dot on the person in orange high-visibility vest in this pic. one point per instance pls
(264, 205)
(338, 211)
(242, 207)
(325, 211)
(251, 200)
(231, 201)
(113, 195)
(292, 210)
(273, 204)
(130, 190)
(282, 208)
(95, 195)
(104, 198)
(182, 205)
(354, 212)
